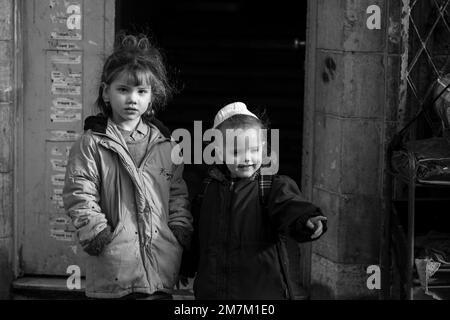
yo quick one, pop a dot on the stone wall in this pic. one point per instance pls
(351, 113)
(7, 106)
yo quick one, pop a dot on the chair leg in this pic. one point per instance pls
(386, 258)
(399, 259)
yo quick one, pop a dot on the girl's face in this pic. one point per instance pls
(128, 100)
(243, 155)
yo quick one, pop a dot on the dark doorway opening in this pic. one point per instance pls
(228, 51)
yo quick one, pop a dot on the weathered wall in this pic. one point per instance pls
(351, 112)
(6, 145)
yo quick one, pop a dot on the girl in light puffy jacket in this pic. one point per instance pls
(127, 199)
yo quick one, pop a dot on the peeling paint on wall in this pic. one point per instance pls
(65, 117)
(60, 151)
(60, 221)
(61, 135)
(61, 45)
(60, 77)
(65, 43)
(58, 179)
(66, 18)
(67, 103)
(66, 58)
(65, 36)
(62, 235)
(57, 203)
(66, 89)
(59, 164)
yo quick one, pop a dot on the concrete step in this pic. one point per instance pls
(55, 288)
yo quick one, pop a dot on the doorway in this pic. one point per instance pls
(226, 51)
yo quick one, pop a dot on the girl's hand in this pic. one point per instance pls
(315, 223)
(95, 246)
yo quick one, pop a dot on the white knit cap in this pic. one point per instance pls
(231, 110)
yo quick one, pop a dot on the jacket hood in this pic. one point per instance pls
(99, 124)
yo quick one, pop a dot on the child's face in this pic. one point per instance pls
(128, 101)
(243, 155)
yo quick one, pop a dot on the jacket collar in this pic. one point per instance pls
(140, 130)
(99, 124)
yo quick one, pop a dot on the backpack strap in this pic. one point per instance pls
(264, 186)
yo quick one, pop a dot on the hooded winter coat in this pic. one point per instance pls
(236, 238)
(105, 189)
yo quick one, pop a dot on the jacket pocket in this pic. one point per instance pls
(119, 266)
(170, 259)
(117, 230)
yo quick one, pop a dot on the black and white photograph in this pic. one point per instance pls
(224, 157)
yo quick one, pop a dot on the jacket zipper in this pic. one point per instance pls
(114, 140)
(126, 164)
(147, 155)
(129, 169)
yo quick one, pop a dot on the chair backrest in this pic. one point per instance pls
(442, 104)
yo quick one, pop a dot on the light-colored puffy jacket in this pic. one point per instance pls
(103, 186)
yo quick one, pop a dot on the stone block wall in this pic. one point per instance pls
(352, 113)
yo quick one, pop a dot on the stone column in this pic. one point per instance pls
(350, 114)
(7, 106)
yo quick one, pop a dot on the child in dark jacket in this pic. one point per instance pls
(236, 239)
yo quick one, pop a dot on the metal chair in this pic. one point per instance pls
(418, 163)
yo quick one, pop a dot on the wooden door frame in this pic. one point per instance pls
(18, 156)
(20, 30)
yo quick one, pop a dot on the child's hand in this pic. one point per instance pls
(96, 245)
(183, 235)
(316, 224)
